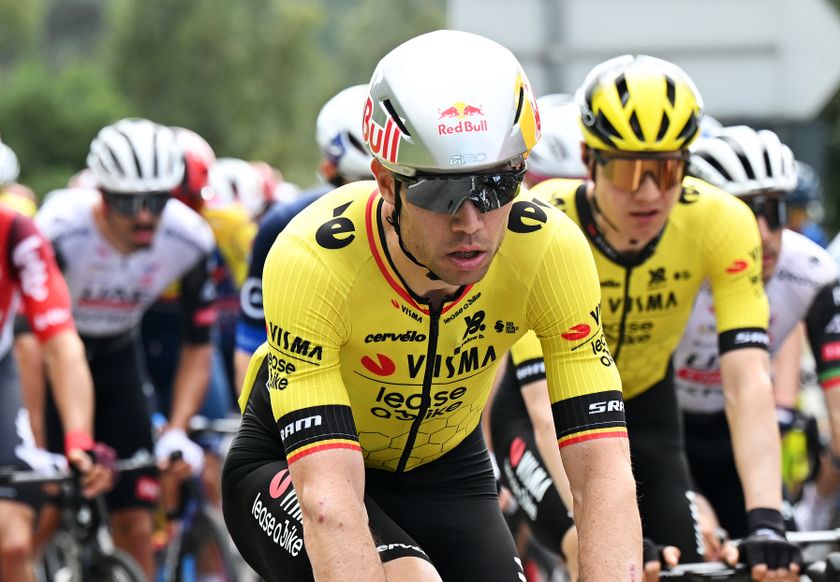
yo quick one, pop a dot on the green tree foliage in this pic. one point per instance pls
(20, 27)
(246, 75)
(49, 120)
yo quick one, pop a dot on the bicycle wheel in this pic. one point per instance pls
(206, 551)
(117, 566)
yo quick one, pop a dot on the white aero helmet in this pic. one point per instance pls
(449, 101)
(557, 154)
(9, 166)
(236, 180)
(136, 155)
(339, 133)
(744, 161)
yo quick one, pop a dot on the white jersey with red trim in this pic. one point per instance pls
(111, 290)
(803, 287)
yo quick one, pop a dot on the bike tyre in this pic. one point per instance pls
(206, 539)
(117, 566)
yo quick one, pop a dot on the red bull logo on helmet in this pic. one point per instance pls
(384, 142)
(460, 117)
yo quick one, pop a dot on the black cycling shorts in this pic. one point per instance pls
(525, 474)
(664, 486)
(446, 512)
(122, 418)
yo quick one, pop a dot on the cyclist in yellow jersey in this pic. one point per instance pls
(388, 306)
(656, 237)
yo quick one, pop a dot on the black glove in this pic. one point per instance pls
(652, 552)
(766, 543)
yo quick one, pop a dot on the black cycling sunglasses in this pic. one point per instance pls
(133, 204)
(771, 208)
(445, 193)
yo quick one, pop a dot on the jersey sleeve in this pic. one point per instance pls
(526, 357)
(583, 382)
(823, 325)
(198, 302)
(305, 311)
(734, 268)
(46, 299)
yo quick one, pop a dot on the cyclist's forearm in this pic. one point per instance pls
(191, 381)
(71, 382)
(330, 490)
(832, 404)
(751, 413)
(605, 509)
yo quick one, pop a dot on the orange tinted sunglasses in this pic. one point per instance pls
(628, 173)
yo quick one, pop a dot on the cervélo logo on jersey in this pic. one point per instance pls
(406, 336)
(294, 345)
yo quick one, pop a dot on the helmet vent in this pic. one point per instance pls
(520, 101)
(621, 87)
(768, 170)
(634, 125)
(603, 126)
(133, 155)
(690, 128)
(393, 113)
(717, 166)
(663, 126)
(354, 141)
(747, 166)
(670, 90)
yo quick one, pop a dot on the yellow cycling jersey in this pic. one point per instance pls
(647, 300)
(355, 360)
(234, 231)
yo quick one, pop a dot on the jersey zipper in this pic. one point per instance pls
(625, 302)
(426, 394)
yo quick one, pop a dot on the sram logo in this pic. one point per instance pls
(299, 425)
(606, 406)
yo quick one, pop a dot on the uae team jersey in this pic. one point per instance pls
(803, 287)
(647, 298)
(355, 360)
(111, 290)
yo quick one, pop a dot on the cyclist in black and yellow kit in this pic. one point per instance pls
(388, 307)
(656, 237)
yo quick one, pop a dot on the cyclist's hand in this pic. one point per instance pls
(654, 556)
(175, 439)
(766, 550)
(98, 467)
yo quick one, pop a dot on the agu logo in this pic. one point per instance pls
(576, 332)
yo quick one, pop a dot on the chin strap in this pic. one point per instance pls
(394, 220)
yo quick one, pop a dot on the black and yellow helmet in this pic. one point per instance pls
(639, 104)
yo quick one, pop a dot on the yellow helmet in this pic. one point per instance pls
(639, 104)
